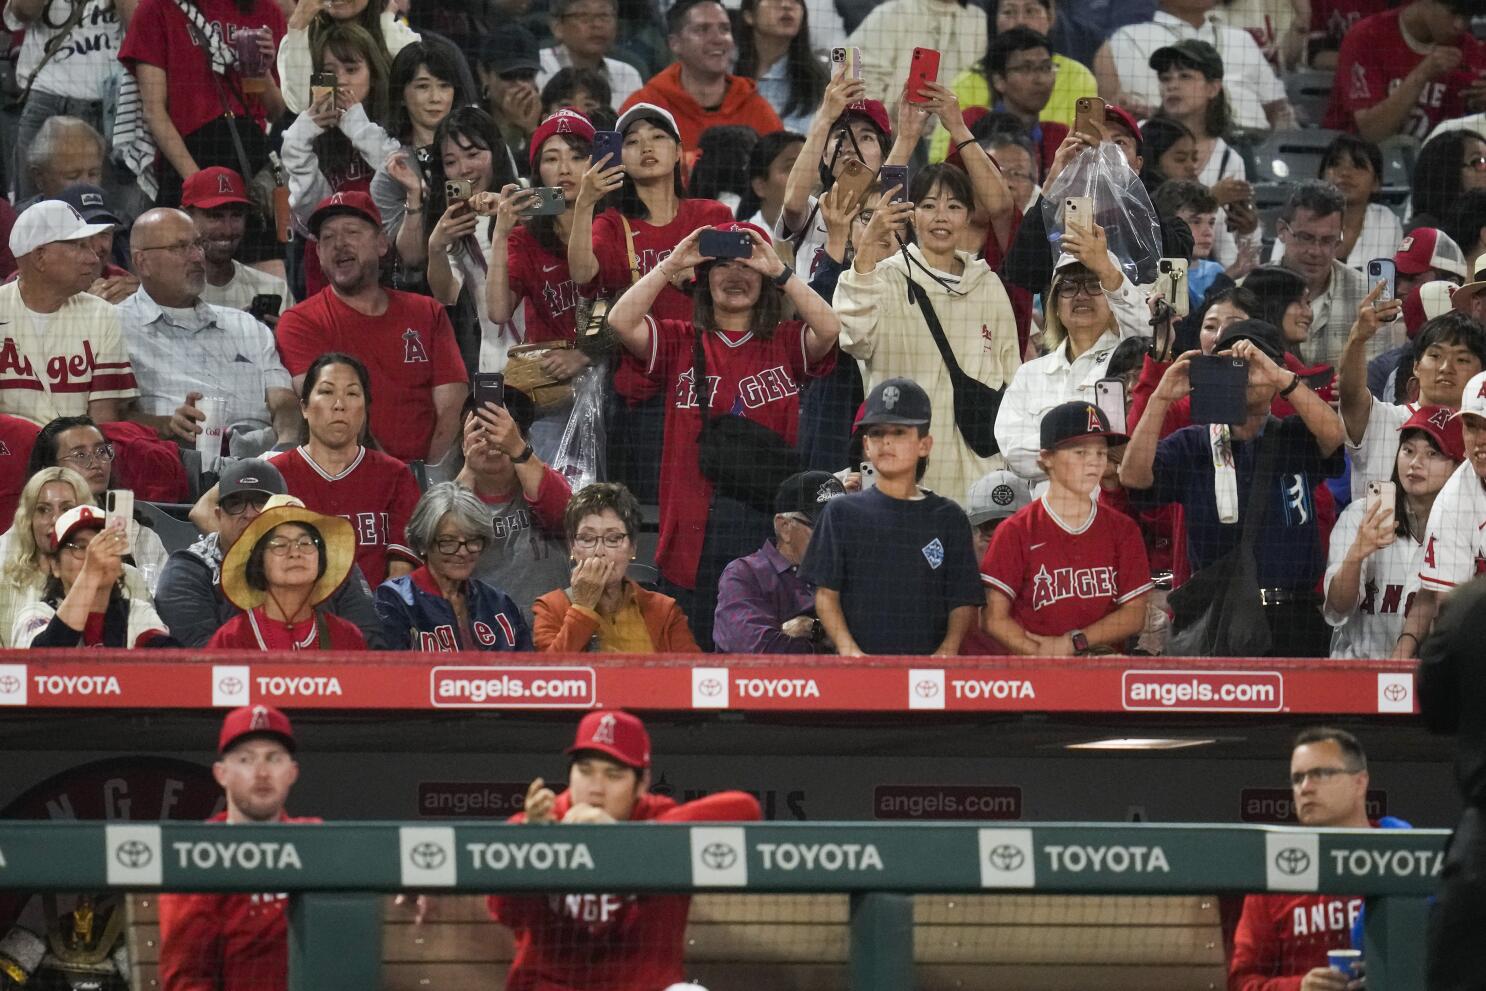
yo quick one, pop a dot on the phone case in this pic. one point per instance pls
(607, 143)
(119, 504)
(1173, 285)
(1109, 396)
(1386, 270)
(1078, 212)
(1219, 389)
(321, 83)
(489, 387)
(894, 175)
(457, 189)
(725, 244)
(1088, 117)
(924, 68)
(855, 179)
(547, 202)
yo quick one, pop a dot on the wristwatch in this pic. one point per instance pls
(523, 457)
(784, 276)
(1080, 642)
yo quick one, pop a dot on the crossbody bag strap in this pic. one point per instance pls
(213, 55)
(701, 384)
(935, 329)
(629, 248)
(54, 45)
(1257, 505)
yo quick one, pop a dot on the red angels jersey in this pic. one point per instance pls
(543, 281)
(1374, 60)
(653, 245)
(751, 377)
(17, 434)
(376, 493)
(1281, 937)
(603, 941)
(408, 351)
(1455, 539)
(1061, 578)
(211, 942)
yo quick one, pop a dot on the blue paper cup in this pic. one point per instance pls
(1345, 961)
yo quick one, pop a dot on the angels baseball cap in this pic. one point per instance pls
(996, 496)
(356, 204)
(564, 121)
(869, 110)
(250, 475)
(616, 734)
(806, 494)
(1116, 114)
(91, 202)
(1440, 423)
(1068, 422)
(1473, 398)
(47, 222)
(900, 401)
(214, 187)
(75, 519)
(1429, 247)
(659, 116)
(255, 720)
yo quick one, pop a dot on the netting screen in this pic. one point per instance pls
(1104, 328)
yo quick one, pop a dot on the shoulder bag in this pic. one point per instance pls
(743, 460)
(976, 404)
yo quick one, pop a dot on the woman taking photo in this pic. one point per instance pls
(84, 602)
(288, 561)
(311, 18)
(1373, 563)
(754, 364)
(441, 608)
(774, 50)
(601, 609)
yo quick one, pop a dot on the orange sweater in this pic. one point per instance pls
(558, 628)
(741, 104)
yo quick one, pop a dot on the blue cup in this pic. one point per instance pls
(1345, 961)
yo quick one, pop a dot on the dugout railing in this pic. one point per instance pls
(338, 873)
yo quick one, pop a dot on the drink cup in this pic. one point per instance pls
(252, 64)
(209, 441)
(1345, 961)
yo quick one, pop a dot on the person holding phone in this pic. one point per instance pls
(306, 27)
(953, 33)
(1372, 570)
(216, 200)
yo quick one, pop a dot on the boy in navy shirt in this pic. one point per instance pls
(894, 566)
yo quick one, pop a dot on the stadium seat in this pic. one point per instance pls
(1399, 154)
(1309, 91)
(1291, 155)
(170, 524)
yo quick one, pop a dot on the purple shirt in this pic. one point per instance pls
(756, 596)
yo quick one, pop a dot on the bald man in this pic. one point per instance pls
(185, 349)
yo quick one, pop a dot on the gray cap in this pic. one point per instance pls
(250, 475)
(996, 496)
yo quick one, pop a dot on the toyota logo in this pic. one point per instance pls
(134, 854)
(428, 856)
(230, 686)
(709, 687)
(1007, 857)
(926, 689)
(1292, 861)
(1395, 692)
(719, 856)
(10, 684)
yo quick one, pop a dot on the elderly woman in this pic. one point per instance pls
(602, 609)
(440, 607)
(84, 602)
(288, 561)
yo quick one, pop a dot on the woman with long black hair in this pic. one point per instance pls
(774, 50)
(311, 18)
(1450, 165)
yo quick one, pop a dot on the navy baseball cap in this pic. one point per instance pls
(1074, 421)
(90, 201)
(900, 401)
(1262, 334)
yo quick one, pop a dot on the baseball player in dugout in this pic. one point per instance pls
(212, 942)
(605, 942)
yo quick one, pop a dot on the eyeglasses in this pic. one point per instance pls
(281, 546)
(1070, 288)
(179, 248)
(102, 454)
(1318, 775)
(590, 20)
(1307, 240)
(1478, 163)
(1048, 68)
(237, 504)
(588, 541)
(453, 545)
(75, 548)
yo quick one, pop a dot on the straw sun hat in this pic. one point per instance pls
(336, 536)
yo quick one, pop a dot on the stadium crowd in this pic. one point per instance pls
(906, 328)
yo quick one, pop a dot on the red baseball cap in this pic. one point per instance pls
(1425, 302)
(214, 187)
(616, 734)
(1429, 248)
(75, 519)
(1124, 118)
(255, 720)
(1441, 423)
(564, 121)
(872, 110)
(356, 204)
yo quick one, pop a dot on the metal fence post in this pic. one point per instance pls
(335, 941)
(881, 942)
(1394, 942)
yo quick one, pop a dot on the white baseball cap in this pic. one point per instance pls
(49, 221)
(1473, 397)
(648, 111)
(996, 496)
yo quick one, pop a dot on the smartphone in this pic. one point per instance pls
(118, 512)
(322, 84)
(725, 244)
(1383, 270)
(489, 387)
(922, 68)
(1172, 283)
(1078, 213)
(1088, 117)
(895, 175)
(1109, 396)
(1386, 495)
(458, 189)
(869, 476)
(1220, 385)
(855, 179)
(545, 201)
(265, 305)
(849, 57)
(609, 143)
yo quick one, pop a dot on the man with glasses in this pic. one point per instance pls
(1310, 228)
(1021, 69)
(189, 597)
(585, 31)
(1282, 940)
(242, 940)
(185, 349)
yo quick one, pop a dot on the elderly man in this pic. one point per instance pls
(217, 200)
(62, 353)
(189, 596)
(230, 355)
(1310, 228)
(763, 605)
(405, 340)
(66, 150)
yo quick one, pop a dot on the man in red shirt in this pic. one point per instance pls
(1405, 70)
(1282, 940)
(405, 340)
(606, 941)
(212, 942)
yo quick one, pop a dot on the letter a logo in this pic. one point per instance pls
(1095, 427)
(224, 185)
(605, 731)
(412, 347)
(260, 718)
(1440, 417)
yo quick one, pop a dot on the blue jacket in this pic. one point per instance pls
(416, 616)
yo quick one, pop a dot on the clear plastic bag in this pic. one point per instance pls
(1121, 206)
(580, 452)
